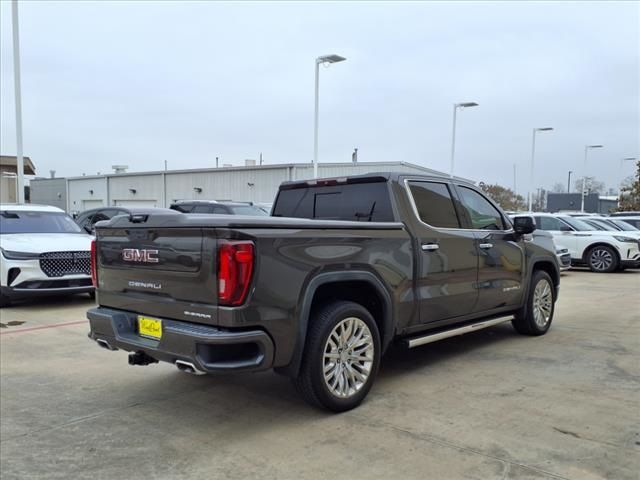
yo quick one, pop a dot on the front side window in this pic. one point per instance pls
(550, 224)
(25, 221)
(202, 209)
(434, 204)
(482, 214)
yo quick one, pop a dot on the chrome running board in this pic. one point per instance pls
(434, 337)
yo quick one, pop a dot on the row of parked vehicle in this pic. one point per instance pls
(45, 252)
(604, 244)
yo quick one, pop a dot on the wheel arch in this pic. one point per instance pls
(587, 250)
(344, 283)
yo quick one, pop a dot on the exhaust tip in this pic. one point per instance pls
(104, 344)
(188, 367)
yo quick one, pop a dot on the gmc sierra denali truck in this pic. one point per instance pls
(319, 290)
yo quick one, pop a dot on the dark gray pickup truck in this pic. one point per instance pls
(320, 289)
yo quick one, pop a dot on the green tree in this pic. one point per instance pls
(505, 197)
(630, 194)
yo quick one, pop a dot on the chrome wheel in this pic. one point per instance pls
(348, 357)
(601, 259)
(542, 303)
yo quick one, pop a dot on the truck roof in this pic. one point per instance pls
(365, 178)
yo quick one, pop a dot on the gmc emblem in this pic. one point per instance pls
(142, 256)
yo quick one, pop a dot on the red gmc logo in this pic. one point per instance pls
(142, 256)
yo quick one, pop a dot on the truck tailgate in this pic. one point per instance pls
(164, 272)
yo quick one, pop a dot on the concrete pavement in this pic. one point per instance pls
(489, 405)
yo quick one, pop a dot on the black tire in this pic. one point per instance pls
(603, 259)
(525, 320)
(311, 382)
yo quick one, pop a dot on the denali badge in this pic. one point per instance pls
(155, 286)
(142, 256)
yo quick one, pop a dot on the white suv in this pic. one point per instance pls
(601, 251)
(42, 251)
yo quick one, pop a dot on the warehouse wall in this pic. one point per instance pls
(86, 193)
(255, 184)
(49, 191)
(148, 190)
(250, 185)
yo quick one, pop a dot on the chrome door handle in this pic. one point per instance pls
(430, 247)
(486, 246)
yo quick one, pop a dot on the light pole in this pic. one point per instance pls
(325, 59)
(584, 174)
(18, 102)
(569, 182)
(533, 155)
(456, 106)
(627, 159)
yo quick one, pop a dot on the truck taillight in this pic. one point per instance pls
(94, 264)
(235, 266)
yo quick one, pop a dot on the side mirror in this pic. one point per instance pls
(565, 228)
(524, 225)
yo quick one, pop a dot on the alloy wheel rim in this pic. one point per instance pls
(542, 303)
(348, 357)
(601, 259)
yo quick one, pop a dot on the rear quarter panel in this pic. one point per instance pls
(288, 259)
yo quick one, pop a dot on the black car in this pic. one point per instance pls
(220, 208)
(89, 218)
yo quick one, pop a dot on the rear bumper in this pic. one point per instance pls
(209, 349)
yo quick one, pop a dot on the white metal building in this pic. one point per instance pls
(161, 188)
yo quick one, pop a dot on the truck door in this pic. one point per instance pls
(501, 252)
(447, 256)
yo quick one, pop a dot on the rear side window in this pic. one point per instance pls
(434, 204)
(184, 208)
(363, 202)
(482, 214)
(201, 209)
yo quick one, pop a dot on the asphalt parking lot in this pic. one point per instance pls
(492, 404)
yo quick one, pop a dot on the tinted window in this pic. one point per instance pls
(365, 202)
(220, 210)
(182, 208)
(601, 225)
(549, 223)
(37, 222)
(434, 204)
(624, 226)
(202, 209)
(482, 214)
(578, 224)
(248, 210)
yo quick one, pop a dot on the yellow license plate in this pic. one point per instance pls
(150, 327)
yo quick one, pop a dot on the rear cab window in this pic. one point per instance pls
(362, 202)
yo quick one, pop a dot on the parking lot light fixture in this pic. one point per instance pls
(456, 106)
(584, 174)
(324, 60)
(533, 155)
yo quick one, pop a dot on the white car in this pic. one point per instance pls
(601, 251)
(632, 220)
(42, 252)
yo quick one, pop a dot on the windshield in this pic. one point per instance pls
(248, 210)
(579, 225)
(25, 221)
(600, 225)
(624, 226)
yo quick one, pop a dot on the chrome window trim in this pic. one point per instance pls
(443, 229)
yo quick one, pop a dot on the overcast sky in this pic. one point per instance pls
(131, 83)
